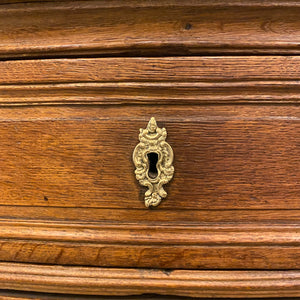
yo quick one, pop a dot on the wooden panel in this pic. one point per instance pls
(165, 69)
(94, 281)
(226, 157)
(161, 216)
(234, 199)
(52, 28)
(207, 246)
(239, 234)
(180, 80)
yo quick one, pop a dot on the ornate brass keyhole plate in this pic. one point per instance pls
(153, 158)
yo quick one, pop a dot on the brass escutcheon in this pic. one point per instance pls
(153, 158)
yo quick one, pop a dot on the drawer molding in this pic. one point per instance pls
(164, 81)
(148, 28)
(227, 246)
(110, 281)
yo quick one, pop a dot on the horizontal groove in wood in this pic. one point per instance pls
(148, 28)
(150, 217)
(101, 281)
(143, 93)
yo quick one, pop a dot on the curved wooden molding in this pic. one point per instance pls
(238, 234)
(42, 29)
(101, 281)
(238, 246)
(168, 80)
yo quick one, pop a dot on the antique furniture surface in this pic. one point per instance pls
(216, 81)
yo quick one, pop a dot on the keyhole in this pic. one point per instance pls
(153, 158)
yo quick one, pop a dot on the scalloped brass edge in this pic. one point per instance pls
(153, 140)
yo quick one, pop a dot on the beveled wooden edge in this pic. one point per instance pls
(237, 234)
(110, 281)
(168, 80)
(151, 3)
(26, 295)
(223, 246)
(180, 34)
(170, 93)
(150, 217)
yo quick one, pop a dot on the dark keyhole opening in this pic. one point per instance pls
(153, 158)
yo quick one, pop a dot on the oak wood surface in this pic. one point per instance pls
(161, 81)
(162, 216)
(204, 246)
(93, 281)
(72, 28)
(68, 195)
(233, 123)
(199, 69)
(226, 157)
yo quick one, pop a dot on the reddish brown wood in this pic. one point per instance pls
(68, 194)
(70, 28)
(22, 295)
(233, 202)
(180, 80)
(94, 281)
(226, 157)
(176, 70)
(161, 216)
(223, 234)
(213, 246)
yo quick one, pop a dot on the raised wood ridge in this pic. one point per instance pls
(222, 234)
(222, 246)
(43, 28)
(173, 80)
(95, 281)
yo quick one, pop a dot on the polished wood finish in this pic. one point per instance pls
(236, 160)
(69, 121)
(73, 28)
(22, 295)
(162, 216)
(142, 81)
(222, 246)
(222, 159)
(87, 280)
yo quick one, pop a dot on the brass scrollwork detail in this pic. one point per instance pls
(153, 174)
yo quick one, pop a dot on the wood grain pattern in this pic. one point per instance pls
(69, 121)
(64, 28)
(94, 281)
(226, 157)
(22, 295)
(142, 81)
(150, 217)
(214, 246)
(234, 200)
(152, 70)
(232, 235)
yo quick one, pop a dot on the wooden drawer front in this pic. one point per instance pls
(226, 157)
(68, 191)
